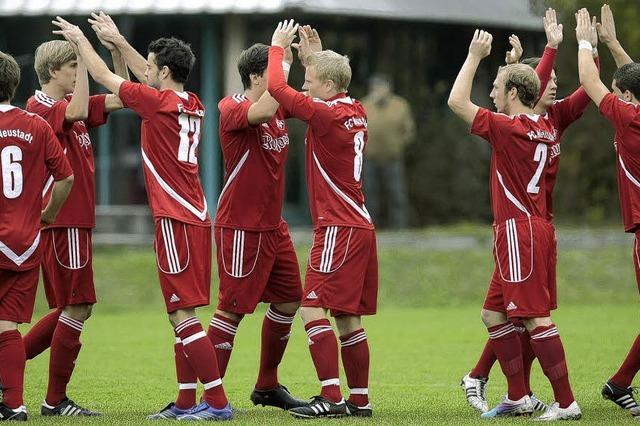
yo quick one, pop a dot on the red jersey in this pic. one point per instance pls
(79, 210)
(171, 123)
(335, 143)
(625, 117)
(525, 149)
(29, 153)
(254, 163)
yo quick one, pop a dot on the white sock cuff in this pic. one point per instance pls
(73, 323)
(212, 384)
(330, 382)
(359, 391)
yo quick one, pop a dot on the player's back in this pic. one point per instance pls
(336, 141)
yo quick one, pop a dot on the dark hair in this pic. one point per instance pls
(533, 63)
(9, 77)
(253, 60)
(627, 77)
(174, 54)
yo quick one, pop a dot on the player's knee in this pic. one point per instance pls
(492, 318)
(287, 308)
(348, 324)
(533, 323)
(311, 314)
(79, 312)
(7, 326)
(230, 315)
(176, 317)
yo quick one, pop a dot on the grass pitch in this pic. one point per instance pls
(425, 337)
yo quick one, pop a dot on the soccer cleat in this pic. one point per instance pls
(355, 411)
(476, 392)
(17, 414)
(509, 408)
(537, 404)
(320, 407)
(622, 397)
(554, 412)
(66, 408)
(635, 412)
(276, 397)
(204, 411)
(169, 412)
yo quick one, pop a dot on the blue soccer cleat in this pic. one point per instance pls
(204, 411)
(509, 408)
(170, 412)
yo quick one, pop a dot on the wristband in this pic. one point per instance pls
(595, 51)
(286, 66)
(585, 44)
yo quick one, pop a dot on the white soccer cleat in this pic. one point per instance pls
(554, 412)
(509, 408)
(537, 404)
(476, 392)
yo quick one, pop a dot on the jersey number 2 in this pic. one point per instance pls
(189, 138)
(541, 157)
(10, 158)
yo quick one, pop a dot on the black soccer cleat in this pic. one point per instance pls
(320, 407)
(18, 414)
(66, 408)
(355, 411)
(277, 397)
(622, 397)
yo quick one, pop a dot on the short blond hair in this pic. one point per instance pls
(51, 56)
(525, 80)
(333, 66)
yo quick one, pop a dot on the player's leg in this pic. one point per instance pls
(354, 349)
(474, 384)
(528, 356)
(38, 339)
(222, 332)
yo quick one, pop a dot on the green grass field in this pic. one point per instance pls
(426, 336)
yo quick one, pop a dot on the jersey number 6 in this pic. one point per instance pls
(10, 158)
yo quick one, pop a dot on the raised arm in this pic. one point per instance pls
(607, 32)
(266, 107)
(589, 75)
(460, 96)
(95, 65)
(78, 108)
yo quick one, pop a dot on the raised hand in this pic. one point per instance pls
(480, 46)
(70, 32)
(284, 33)
(514, 55)
(583, 26)
(105, 29)
(309, 43)
(552, 29)
(594, 32)
(607, 26)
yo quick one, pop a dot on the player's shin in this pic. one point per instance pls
(324, 352)
(506, 346)
(65, 346)
(276, 329)
(355, 358)
(186, 376)
(12, 364)
(38, 339)
(222, 331)
(629, 368)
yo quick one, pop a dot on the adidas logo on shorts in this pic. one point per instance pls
(511, 306)
(174, 298)
(312, 295)
(225, 345)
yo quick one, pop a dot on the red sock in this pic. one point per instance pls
(506, 346)
(187, 379)
(222, 331)
(38, 339)
(202, 358)
(355, 358)
(548, 348)
(276, 329)
(12, 363)
(324, 352)
(629, 368)
(528, 356)
(485, 363)
(65, 346)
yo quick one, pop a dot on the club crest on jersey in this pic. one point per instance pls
(274, 144)
(280, 124)
(555, 151)
(83, 139)
(543, 134)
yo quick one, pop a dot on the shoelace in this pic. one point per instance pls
(480, 388)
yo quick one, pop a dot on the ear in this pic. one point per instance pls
(52, 74)
(627, 96)
(165, 72)
(513, 93)
(254, 79)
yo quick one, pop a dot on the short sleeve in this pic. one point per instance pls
(97, 113)
(618, 112)
(491, 126)
(142, 99)
(56, 162)
(234, 115)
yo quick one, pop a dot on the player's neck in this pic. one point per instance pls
(171, 85)
(516, 109)
(53, 91)
(254, 94)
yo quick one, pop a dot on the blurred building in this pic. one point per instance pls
(419, 43)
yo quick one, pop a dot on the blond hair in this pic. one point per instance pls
(333, 66)
(525, 80)
(51, 56)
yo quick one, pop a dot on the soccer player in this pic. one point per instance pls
(622, 109)
(171, 123)
(562, 113)
(29, 154)
(342, 273)
(525, 150)
(67, 251)
(256, 258)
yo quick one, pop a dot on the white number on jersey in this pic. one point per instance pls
(10, 158)
(541, 157)
(358, 146)
(189, 138)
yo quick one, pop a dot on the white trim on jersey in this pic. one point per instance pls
(202, 215)
(233, 174)
(73, 242)
(510, 196)
(171, 249)
(50, 181)
(5, 108)
(182, 95)
(627, 173)
(237, 254)
(361, 210)
(239, 98)
(326, 258)
(20, 259)
(513, 250)
(44, 99)
(345, 100)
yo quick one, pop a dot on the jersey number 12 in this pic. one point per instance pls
(189, 138)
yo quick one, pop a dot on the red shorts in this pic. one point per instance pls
(524, 281)
(256, 267)
(183, 255)
(342, 273)
(18, 294)
(67, 269)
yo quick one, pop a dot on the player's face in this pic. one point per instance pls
(625, 96)
(498, 93)
(152, 73)
(66, 76)
(549, 95)
(315, 87)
